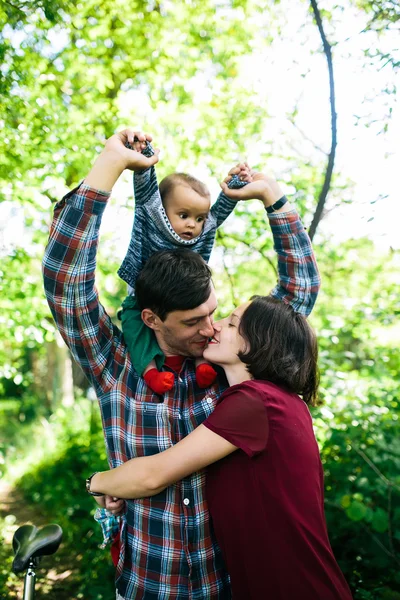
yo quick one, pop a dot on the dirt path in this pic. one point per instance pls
(56, 576)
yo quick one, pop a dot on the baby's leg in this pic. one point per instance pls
(205, 374)
(158, 381)
(143, 348)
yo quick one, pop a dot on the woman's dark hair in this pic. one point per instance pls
(173, 280)
(281, 346)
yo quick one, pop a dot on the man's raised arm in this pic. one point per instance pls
(298, 277)
(70, 259)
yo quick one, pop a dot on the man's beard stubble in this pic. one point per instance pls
(178, 348)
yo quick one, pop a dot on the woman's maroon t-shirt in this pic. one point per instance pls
(266, 499)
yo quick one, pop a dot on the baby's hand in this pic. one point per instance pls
(137, 144)
(259, 186)
(241, 172)
(141, 146)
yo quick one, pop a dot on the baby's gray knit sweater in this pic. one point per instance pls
(152, 230)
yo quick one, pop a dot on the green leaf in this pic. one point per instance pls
(369, 514)
(357, 511)
(380, 521)
(345, 501)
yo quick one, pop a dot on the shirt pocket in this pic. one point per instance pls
(148, 429)
(199, 410)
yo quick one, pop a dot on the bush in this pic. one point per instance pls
(59, 455)
(58, 487)
(361, 457)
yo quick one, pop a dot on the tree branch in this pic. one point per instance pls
(253, 248)
(305, 136)
(230, 278)
(331, 159)
(372, 535)
(375, 468)
(15, 7)
(390, 486)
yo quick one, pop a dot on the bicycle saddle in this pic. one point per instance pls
(31, 542)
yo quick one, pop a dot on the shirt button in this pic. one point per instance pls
(209, 400)
(186, 501)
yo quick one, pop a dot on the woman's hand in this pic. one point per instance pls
(115, 505)
(260, 186)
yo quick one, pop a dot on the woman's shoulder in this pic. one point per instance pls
(260, 386)
(270, 393)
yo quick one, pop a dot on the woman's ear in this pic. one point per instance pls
(150, 319)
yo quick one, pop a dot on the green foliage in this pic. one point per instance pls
(74, 78)
(383, 14)
(24, 320)
(359, 426)
(53, 482)
(361, 457)
(57, 486)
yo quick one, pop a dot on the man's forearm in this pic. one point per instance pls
(105, 171)
(298, 276)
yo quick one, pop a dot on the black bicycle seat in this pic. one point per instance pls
(31, 542)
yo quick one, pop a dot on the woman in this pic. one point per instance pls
(265, 479)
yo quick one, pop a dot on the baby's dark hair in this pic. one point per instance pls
(171, 181)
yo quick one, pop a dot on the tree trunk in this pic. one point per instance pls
(331, 159)
(59, 374)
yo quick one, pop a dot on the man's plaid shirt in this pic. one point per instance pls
(168, 550)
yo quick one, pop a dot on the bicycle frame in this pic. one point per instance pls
(30, 580)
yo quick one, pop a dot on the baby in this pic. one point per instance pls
(177, 213)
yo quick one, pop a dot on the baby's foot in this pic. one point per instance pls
(159, 381)
(205, 375)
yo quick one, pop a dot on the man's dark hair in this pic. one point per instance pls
(175, 179)
(281, 347)
(173, 280)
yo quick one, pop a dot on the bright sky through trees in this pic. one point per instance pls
(290, 74)
(290, 77)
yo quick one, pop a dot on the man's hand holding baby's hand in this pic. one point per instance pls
(116, 157)
(259, 186)
(133, 160)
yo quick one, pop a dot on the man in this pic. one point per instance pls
(167, 546)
